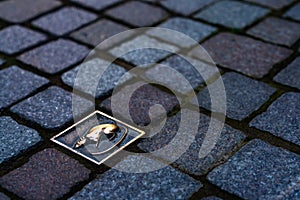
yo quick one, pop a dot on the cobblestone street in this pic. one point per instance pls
(255, 45)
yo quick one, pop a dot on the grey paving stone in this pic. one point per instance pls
(275, 4)
(48, 174)
(15, 138)
(134, 13)
(277, 31)
(16, 38)
(196, 30)
(97, 32)
(64, 20)
(166, 183)
(260, 171)
(185, 8)
(189, 161)
(17, 84)
(50, 109)
(282, 118)
(243, 95)
(294, 12)
(96, 4)
(290, 75)
(251, 57)
(142, 99)
(157, 50)
(106, 83)
(55, 56)
(186, 72)
(232, 14)
(4, 197)
(20, 11)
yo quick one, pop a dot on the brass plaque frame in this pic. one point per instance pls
(90, 157)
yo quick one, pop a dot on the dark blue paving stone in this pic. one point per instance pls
(16, 38)
(260, 171)
(138, 13)
(232, 14)
(15, 138)
(97, 32)
(17, 84)
(20, 11)
(243, 95)
(276, 4)
(294, 12)
(251, 57)
(211, 198)
(282, 118)
(4, 197)
(185, 70)
(64, 20)
(166, 183)
(96, 4)
(140, 102)
(196, 30)
(55, 56)
(48, 174)
(277, 31)
(189, 161)
(106, 83)
(290, 75)
(51, 108)
(158, 50)
(184, 7)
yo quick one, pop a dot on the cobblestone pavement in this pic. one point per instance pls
(255, 44)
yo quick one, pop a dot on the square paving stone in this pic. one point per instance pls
(276, 4)
(97, 4)
(157, 50)
(185, 78)
(64, 20)
(189, 161)
(232, 14)
(97, 32)
(282, 118)
(140, 102)
(20, 11)
(86, 81)
(294, 12)
(196, 30)
(185, 8)
(277, 31)
(138, 13)
(290, 75)
(55, 56)
(51, 108)
(246, 55)
(243, 95)
(49, 174)
(14, 39)
(15, 138)
(17, 84)
(260, 171)
(165, 183)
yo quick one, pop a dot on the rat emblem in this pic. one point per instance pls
(94, 135)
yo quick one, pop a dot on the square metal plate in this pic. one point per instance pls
(98, 137)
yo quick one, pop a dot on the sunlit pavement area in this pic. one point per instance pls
(255, 45)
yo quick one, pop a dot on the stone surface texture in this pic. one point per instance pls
(97, 4)
(294, 12)
(49, 174)
(282, 118)
(260, 171)
(15, 138)
(275, 4)
(16, 84)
